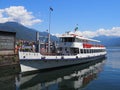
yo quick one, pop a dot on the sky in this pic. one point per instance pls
(92, 17)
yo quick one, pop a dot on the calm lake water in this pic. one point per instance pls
(98, 75)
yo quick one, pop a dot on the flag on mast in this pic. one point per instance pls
(51, 8)
(76, 28)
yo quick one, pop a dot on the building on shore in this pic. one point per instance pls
(7, 48)
(7, 43)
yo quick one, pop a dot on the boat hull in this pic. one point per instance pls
(42, 64)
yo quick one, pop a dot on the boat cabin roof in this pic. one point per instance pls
(78, 37)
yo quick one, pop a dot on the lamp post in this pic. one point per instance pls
(50, 9)
(38, 41)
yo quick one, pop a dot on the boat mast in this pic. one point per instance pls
(50, 10)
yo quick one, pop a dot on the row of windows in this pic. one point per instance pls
(91, 50)
(71, 39)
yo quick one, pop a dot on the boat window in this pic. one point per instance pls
(77, 40)
(81, 50)
(85, 50)
(68, 39)
(74, 51)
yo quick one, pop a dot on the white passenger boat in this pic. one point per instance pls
(71, 50)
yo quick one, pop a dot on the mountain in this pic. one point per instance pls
(109, 41)
(26, 33)
(22, 32)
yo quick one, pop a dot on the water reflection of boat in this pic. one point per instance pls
(65, 78)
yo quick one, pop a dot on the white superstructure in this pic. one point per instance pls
(73, 44)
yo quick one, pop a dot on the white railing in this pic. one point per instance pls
(33, 55)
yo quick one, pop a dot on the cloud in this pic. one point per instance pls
(115, 31)
(18, 14)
